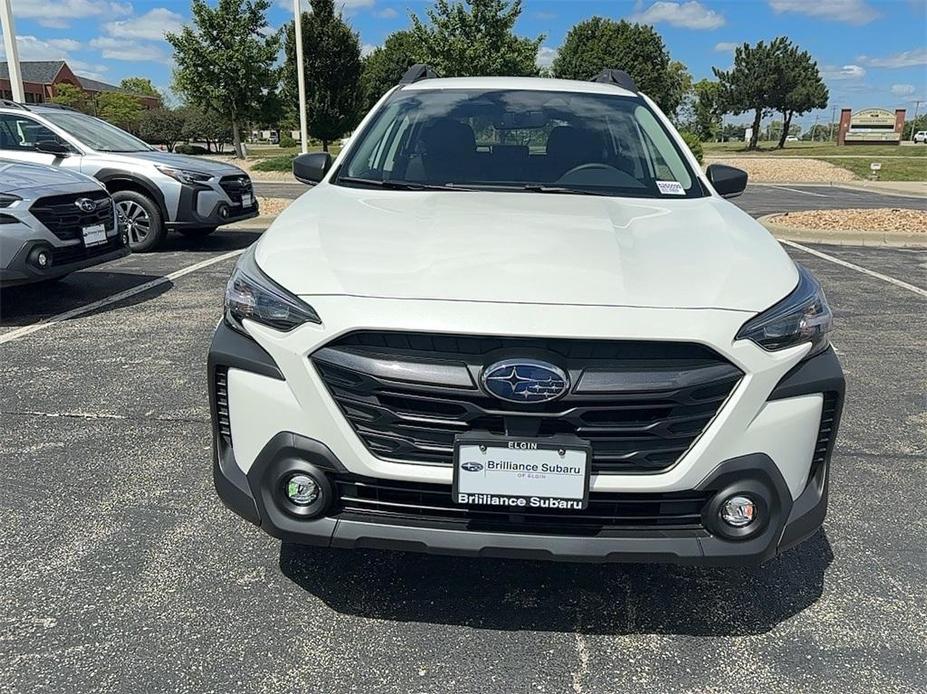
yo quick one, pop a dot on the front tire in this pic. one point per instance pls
(144, 224)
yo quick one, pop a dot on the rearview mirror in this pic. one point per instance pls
(727, 180)
(52, 147)
(311, 168)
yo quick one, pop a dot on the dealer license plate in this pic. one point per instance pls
(94, 235)
(246, 200)
(521, 474)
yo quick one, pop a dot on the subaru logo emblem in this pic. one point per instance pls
(471, 466)
(525, 380)
(85, 204)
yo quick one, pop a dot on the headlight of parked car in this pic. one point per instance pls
(803, 316)
(184, 175)
(7, 199)
(253, 295)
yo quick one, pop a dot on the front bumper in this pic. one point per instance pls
(794, 511)
(67, 259)
(206, 206)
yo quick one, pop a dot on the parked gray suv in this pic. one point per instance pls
(155, 191)
(54, 222)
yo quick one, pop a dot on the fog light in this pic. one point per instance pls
(738, 511)
(302, 490)
(224, 212)
(42, 258)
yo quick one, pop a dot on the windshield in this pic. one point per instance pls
(95, 133)
(539, 141)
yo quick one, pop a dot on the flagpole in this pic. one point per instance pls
(300, 77)
(12, 51)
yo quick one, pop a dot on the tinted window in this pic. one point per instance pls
(21, 134)
(595, 143)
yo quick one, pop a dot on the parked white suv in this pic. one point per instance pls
(515, 319)
(920, 137)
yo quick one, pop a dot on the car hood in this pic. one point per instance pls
(180, 161)
(526, 248)
(17, 176)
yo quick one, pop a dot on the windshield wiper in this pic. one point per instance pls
(561, 190)
(394, 184)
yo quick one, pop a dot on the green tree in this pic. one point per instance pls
(638, 49)
(162, 126)
(72, 97)
(801, 88)
(754, 83)
(331, 55)
(214, 129)
(706, 110)
(386, 65)
(225, 60)
(139, 85)
(120, 109)
(475, 37)
(914, 125)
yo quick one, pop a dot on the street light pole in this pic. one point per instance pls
(300, 77)
(12, 51)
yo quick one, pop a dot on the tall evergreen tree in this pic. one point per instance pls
(331, 55)
(225, 60)
(802, 88)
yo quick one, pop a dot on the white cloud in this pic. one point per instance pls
(546, 56)
(152, 25)
(850, 11)
(33, 48)
(903, 89)
(689, 15)
(58, 13)
(132, 51)
(844, 72)
(912, 58)
(726, 46)
(387, 13)
(64, 44)
(367, 49)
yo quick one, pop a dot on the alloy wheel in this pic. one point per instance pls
(136, 219)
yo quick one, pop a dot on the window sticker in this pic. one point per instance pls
(670, 188)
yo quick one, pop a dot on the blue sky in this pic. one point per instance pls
(871, 52)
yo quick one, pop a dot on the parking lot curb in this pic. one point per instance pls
(850, 237)
(261, 223)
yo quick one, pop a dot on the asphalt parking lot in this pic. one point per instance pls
(122, 572)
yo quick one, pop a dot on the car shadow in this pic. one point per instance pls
(30, 303)
(614, 599)
(216, 242)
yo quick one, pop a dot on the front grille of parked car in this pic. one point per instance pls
(222, 404)
(66, 220)
(641, 405)
(77, 252)
(395, 502)
(235, 186)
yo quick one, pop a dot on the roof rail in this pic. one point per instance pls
(619, 78)
(12, 104)
(417, 73)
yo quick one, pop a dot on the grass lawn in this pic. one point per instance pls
(282, 159)
(908, 169)
(814, 149)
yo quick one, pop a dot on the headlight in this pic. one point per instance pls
(184, 175)
(251, 294)
(803, 316)
(7, 199)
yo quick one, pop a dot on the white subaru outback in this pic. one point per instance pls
(514, 318)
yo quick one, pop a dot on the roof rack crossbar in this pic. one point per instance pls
(417, 73)
(619, 78)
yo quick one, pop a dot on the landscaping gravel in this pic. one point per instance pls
(779, 170)
(877, 220)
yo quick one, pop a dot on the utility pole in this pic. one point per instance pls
(917, 105)
(300, 77)
(12, 51)
(833, 116)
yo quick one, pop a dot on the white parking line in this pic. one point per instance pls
(115, 298)
(851, 266)
(795, 190)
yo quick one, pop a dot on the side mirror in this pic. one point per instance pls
(51, 147)
(311, 168)
(727, 180)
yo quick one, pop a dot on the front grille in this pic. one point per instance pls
(222, 404)
(64, 255)
(235, 186)
(395, 502)
(66, 220)
(640, 405)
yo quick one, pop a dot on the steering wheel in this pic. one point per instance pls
(598, 171)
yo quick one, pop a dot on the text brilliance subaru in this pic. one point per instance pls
(513, 318)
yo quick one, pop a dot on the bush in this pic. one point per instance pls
(282, 163)
(287, 141)
(694, 143)
(190, 149)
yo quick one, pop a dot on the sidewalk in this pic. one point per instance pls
(914, 189)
